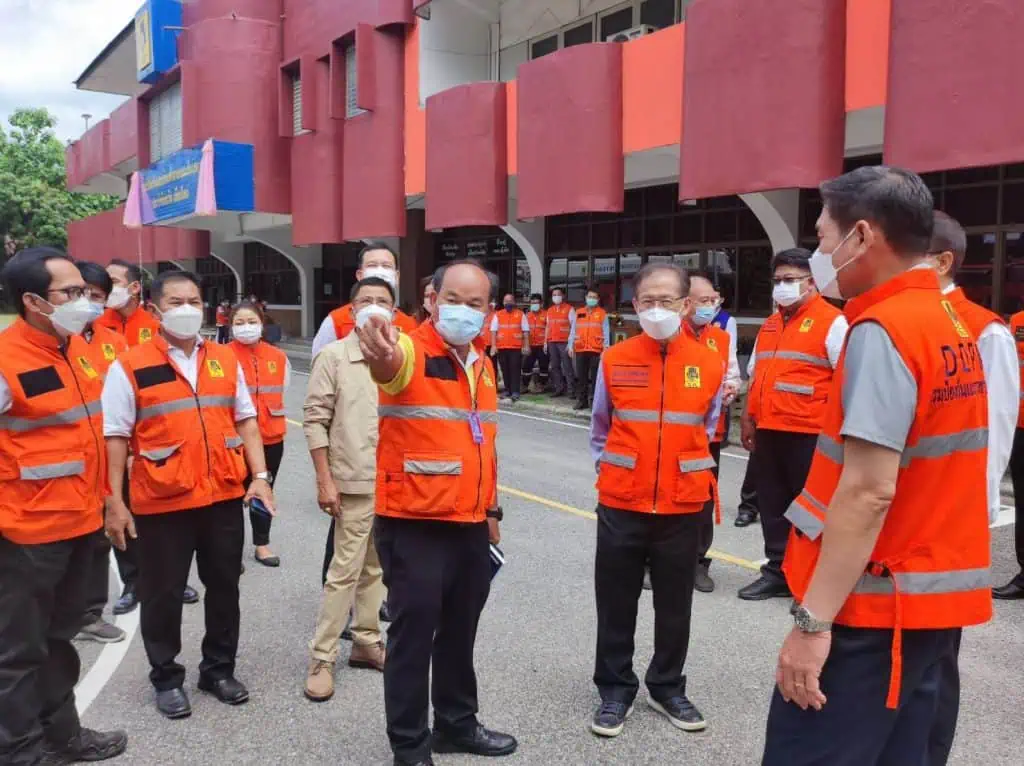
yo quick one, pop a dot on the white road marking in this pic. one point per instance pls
(89, 688)
(545, 420)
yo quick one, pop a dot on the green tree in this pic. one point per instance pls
(35, 205)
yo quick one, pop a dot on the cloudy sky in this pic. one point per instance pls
(45, 45)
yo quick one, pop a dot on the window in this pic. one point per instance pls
(659, 13)
(1013, 278)
(165, 123)
(629, 265)
(544, 46)
(754, 293)
(297, 105)
(580, 35)
(605, 279)
(271, 276)
(617, 21)
(351, 83)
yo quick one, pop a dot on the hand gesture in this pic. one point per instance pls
(729, 393)
(377, 339)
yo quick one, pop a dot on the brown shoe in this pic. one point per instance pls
(370, 656)
(320, 681)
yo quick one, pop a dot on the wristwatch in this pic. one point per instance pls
(808, 623)
(496, 513)
(267, 476)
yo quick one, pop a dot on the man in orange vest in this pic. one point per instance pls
(1014, 589)
(588, 337)
(701, 325)
(375, 260)
(796, 351)
(656, 406)
(561, 318)
(436, 510)
(184, 407)
(51, 468)
(535, 367)
(125, 314)
(223, 314)
(510, 333)
(889, 555)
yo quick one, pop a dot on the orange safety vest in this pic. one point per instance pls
(188, 453)
(1017, 328)
(344, 321)
(140, 327)
(486, 335)
(538, 322)
(792, 373)
(264, 368)
(103, 347)
(222, 317)
(429, 465)
(717, 339)
(930, 566)
(52, 466)
(656, 459)
(510, 329)
(590, 330)
(558, 322)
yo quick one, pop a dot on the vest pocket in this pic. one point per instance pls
(790, 399)
(229, 461)
(693, 483)
(39, 473)
(429, 484)
(163, 471)
(617, 478)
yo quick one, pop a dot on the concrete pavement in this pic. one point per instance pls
(535, 649)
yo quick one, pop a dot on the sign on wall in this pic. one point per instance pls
(157, 24)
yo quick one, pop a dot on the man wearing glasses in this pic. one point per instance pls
(796, 352)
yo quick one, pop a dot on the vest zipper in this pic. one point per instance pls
(199, 409)
(661, 408)
(81, 395)
(480, 447)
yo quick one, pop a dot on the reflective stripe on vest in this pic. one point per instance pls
(617, 459)
(651, 416)
(180, 405)
(945, 445)
(698, 464)
(266, 389)
(433, 467)
(922, 583)
(160, 454)
(804, 520)
(793, 388)
(278, 413)
(233, 442)
(796, 356)
(53, 470)
(420, 412)
(72, 415)
(830, 448)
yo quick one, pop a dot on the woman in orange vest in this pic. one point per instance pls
(267, 373)
(223, 320)
(889, 556)
(588, 337)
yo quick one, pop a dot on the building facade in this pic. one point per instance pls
(563, 143)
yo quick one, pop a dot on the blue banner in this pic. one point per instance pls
(171, 186)
(156, 39)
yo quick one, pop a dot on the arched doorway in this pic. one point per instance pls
(275, 280)
(496, 249)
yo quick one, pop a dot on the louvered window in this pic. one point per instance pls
(165, 123)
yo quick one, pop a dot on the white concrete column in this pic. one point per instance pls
(529, 235)
(779, 214)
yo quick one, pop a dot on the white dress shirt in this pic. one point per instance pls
(119, 405)
(324, 335)
(833, 344)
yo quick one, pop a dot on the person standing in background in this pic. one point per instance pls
(535, 368)
(588, 337)
(561, 319)
(1014, 590)
(511, 342)
(746, 512)
(223, 320)
(267, 374)
(427, 291)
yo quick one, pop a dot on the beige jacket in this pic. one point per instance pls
(340, 413)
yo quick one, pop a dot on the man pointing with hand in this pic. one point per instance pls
(436, 502)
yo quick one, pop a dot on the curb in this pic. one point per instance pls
(546, 410)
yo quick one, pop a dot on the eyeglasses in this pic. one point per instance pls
(71, 293)
(661, 303)
(788, 280)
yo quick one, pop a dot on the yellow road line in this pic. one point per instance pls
(719, 555)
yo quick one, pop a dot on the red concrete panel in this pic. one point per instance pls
(763, 102)
(311, 87)
(94, 151)
(950, 62)
(466, 158)
(124, 132)
(394, 12)
(366, 82)
(570, 132)
(71, 160)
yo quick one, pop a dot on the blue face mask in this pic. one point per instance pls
(458, 325)
(703, 315)
(592, 302)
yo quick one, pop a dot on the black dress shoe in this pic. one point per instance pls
(480, 741)
(764, 588)
(173, 703)
(1012, 591)
(90, 745)
(427, 761)
(745, 518)
(227, 690)
(579, 406)
(269, 561)
(127, 602)
(385, 613)
(190, 595)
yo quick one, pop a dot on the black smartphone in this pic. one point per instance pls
(497, 560)
(257, 505)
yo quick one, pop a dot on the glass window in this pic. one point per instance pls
(522, 277)
(634, 203)
(972, 175)
(720, 227)
(661, 200)
(543, 46)
(689, 261)
(750, 227)
(975, 276)
(617, 21)
(688, 229)
(557, 238)
(629, 264)
(605, 280)
(1014, 171)
(605, 236)
(631, 233)
(1013, 283)
(721, 266)
(973, 206)
(658, 232)
(557, 276)
(580, 35)
(577, 280)
(755, 285)
(658, 13)
(578, 237)
(1013, 204)
(683, 5)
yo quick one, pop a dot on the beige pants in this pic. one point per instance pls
(354, 575)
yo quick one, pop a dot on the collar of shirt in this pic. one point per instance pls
(949, 288)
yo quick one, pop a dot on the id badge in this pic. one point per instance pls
(476, 428)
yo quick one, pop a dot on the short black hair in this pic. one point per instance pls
(245, 306)
(133, 271)
(798, 257)
(593, 289)
(26, 272)
(371, 246)
(559, 288)
(536, 297)
(156, 290)
(371, 282)
(95, 275)
(948, 234)
(649, 269)
(897, 200)
(442, 270)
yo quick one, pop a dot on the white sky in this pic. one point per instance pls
(45, 45)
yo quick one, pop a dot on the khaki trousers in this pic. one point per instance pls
(354, 575)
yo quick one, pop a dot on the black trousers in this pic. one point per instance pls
(855, 728)
(272, 454)
(98, 578)
(167, 541)
(1017, 477)
(537, 360)
(940, 741)
(783, 462)
(438, 576)
(42, 598)
(748, 491)
(223, 334)
(511, 361)
(587, 363)
(706, 531)
(626, 541)
(127, 560)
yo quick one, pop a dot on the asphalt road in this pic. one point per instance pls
(535, 649)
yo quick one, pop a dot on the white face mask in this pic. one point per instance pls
(249, 334)
(183, 322)
(118, 297)
(786, 293)
(373, 310)
(556, 299)
(70, 318)
(660, 323)
(95, 310)
(826, 275)
(382, 272)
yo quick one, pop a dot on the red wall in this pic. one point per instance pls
(102, 238)
(124, 132)
(94, 151)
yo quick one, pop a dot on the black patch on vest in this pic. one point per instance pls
(145, 377)
(41, 381)
(440, 367)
